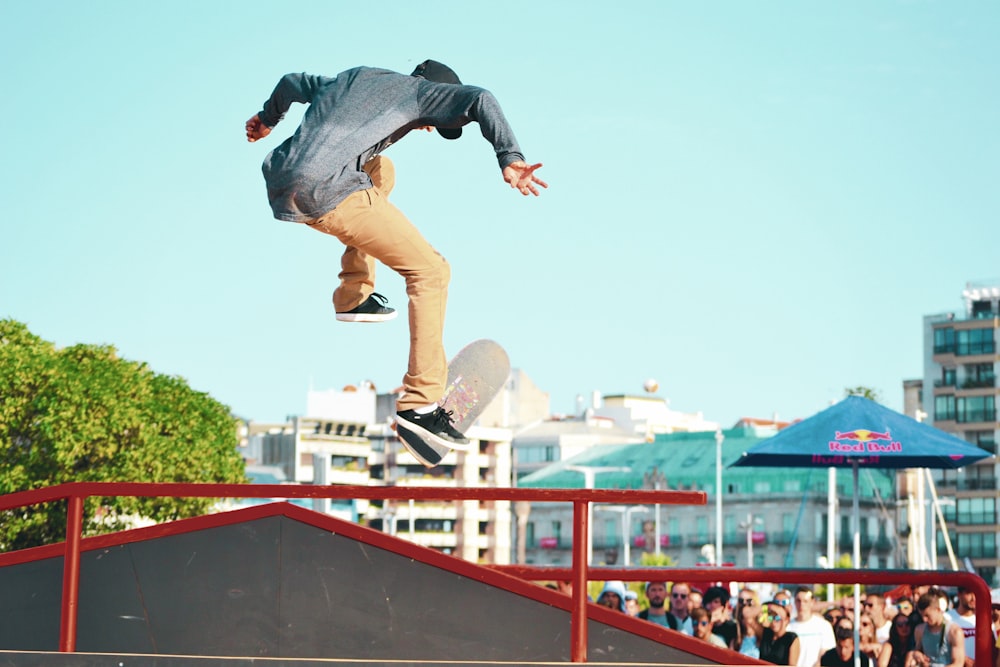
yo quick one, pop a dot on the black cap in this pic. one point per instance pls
(437, 72)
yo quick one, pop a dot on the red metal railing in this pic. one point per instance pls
(580, 573)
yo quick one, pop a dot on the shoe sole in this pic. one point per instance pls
(365, 317)
(433, 438)
(420, 450)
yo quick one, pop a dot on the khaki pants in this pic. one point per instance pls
(373, 229)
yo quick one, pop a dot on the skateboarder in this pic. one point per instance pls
(330, 176)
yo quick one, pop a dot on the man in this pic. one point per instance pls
(716, 601)
(330, 175)
(939, 642)
(678, 617)
(874, 604)
(814, 632)
(964, 616)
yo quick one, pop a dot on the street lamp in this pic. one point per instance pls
(589, 472)
(626, 522)
(748, 526)
(718, 494)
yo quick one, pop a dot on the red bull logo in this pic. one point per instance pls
(863, 441)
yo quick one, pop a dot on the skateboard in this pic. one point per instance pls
(475, 377)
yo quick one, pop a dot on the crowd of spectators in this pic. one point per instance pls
(928, 628)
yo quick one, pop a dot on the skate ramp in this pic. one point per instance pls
(285, 583)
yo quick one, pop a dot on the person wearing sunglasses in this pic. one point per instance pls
(678, 616)
(874, 605)
(702, 624)
(777, 643)
(900, 642)
(749, 629)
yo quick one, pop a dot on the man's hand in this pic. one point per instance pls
(256, 129)
(521, 176)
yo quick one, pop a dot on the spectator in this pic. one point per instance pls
(656, 612)
(694, 599)
(747, 596)
(904, 606)
(842, 654)
(938, 641)
(749, 630)
(814, 633)
(777, 643)
(716, 603)
(613, 596)
(875, 606)
(900, 642)
(631, 602)
(702, 624)
(870, 646)
(964, 615)
(833, 615)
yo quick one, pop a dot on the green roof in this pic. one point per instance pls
(687, 461)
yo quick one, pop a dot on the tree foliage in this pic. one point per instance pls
(82, 414)
(864, 392)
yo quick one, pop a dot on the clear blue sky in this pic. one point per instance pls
(753, 202)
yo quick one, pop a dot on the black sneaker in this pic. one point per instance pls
(373, 309)
(427, 453)
(435, 427)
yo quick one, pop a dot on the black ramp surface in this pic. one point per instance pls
(277, 586)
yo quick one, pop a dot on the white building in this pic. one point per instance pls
(347, 439)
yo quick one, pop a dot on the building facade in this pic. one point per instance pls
(959, 393)
(772, 517)
(349, 440)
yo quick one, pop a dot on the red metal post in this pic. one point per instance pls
(581, 538)
(71, 574)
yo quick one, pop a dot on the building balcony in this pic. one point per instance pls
(981, 484)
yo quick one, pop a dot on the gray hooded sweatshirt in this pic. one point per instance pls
(352, 118)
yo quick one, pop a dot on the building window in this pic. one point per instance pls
(948, 377)
(944, 340)
(701, 528)
(976, 511)
(944, 408)
(979, 375)
(983, 439)
(975, 409)
(976, 545)
(974, 341)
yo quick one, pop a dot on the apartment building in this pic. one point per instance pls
(348, 439)
(772, 517)
(959, 395)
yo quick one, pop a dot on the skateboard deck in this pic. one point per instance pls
(475, 377)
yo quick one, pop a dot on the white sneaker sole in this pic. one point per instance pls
(365, 317)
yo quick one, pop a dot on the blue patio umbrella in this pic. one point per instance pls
(860, 433)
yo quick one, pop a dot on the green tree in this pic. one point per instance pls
(82, 414)
(864, 392)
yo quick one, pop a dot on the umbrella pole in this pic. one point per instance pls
(855, 519)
